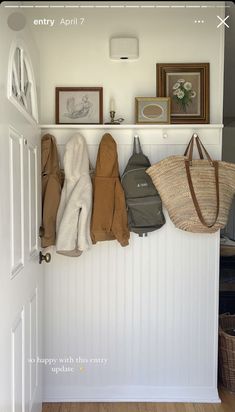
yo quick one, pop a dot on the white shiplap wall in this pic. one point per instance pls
(150, 308)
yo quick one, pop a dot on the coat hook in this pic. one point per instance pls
(165, 136)
(195, 135)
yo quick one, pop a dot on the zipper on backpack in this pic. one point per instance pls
(142, 203)
(132, 170)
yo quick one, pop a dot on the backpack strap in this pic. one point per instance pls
(136, 145)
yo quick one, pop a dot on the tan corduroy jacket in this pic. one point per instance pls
(109, 216)
(51, 189)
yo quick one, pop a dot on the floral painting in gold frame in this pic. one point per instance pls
(188, 86)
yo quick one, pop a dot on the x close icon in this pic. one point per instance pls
(222, 21)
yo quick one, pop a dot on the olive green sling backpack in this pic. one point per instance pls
(144, 204)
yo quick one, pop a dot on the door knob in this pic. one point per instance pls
(46, 257)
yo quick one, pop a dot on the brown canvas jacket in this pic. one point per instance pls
(109, 216)
(51, 189)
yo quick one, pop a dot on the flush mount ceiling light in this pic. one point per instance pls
(124, 48)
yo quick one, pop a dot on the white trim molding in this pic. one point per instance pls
(131, 394)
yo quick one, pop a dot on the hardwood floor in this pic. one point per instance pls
(227, 405)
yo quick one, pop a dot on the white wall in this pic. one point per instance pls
(79, 55)
(151, 308)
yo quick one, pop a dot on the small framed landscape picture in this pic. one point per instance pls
(152, 110)
(79, 105)
(187, 84)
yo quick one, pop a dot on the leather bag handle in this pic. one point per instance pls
(200, 147)
(188, 162)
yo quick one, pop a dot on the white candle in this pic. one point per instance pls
(112, 105)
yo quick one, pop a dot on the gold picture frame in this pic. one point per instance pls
(152, 110)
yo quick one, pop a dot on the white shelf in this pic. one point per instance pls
(131, 126)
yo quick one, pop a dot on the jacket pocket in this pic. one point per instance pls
(145, 212)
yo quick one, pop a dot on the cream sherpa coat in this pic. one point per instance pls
(74, 213)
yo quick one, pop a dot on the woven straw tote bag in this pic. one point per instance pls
(196, 193)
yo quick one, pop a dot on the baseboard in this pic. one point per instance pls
(130, 394)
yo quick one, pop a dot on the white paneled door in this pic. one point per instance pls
(20, 272)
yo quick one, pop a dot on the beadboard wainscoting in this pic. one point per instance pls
(137, 323)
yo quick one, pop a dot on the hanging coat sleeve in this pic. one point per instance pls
(83, 233)
(120, 226)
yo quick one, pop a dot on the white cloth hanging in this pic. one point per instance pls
(74, 213)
